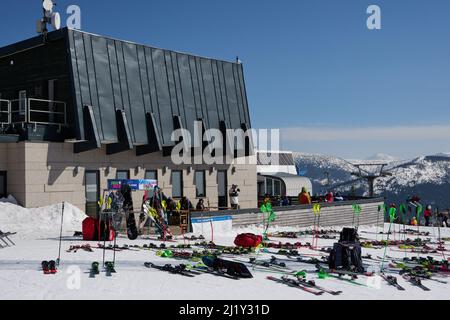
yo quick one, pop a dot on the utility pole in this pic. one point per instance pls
(327, 174)
(371, 175)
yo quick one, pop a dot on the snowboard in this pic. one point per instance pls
(132, 230)
(230, 267)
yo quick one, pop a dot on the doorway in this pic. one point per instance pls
(222, 185)
(92, 192)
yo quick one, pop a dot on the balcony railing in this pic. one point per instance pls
(33, 111)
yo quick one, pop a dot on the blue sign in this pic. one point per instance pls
(135, 185)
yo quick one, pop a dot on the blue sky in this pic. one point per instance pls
(312, 67)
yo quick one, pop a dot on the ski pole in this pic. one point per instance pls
(60, 236)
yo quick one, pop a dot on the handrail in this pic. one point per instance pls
(49, 112)
(17, 115)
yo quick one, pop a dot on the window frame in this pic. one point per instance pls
(181, 184)
(151, 171)
(200, 196)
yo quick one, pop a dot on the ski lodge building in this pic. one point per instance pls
(78, 109)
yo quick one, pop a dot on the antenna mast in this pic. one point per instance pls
(49, 17)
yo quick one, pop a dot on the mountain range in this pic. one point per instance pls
(427, 177)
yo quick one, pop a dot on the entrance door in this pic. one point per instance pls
(222, 185)
(92, 193)
(3, 184)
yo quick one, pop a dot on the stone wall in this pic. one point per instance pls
(41, 174)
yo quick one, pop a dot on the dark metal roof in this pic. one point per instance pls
(129, 95)
(140, 80)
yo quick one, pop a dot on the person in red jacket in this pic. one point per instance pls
(428, 214)
(329, 197)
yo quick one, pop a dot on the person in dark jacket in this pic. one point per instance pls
(186, 204)
(200, 205)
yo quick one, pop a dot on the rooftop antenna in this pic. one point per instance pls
(49, 18)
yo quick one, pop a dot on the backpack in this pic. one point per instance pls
(90, 229)
(349, 235)
(248, 240)
(347, 257)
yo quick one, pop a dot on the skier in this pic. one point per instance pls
(428, 214)
(414, 222)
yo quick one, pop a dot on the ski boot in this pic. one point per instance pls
(45, 267)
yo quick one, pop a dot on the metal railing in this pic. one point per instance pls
(47, 112)
(5, 112)
(37, 111)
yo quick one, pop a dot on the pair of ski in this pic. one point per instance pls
(181, 269)
(303, 284)
(95, 269)
(415, 281)
(49, 267)
(392, 281)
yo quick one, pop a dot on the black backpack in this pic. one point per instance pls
(346, 256)
(349, 235)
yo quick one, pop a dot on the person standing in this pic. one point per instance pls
(329, 197)
(428, 214)
(304, 198)
(234, 196)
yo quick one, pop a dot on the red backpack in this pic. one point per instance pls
(248, 240)
(93, 230)
(90, 229)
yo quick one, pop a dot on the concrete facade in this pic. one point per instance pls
(45, 173)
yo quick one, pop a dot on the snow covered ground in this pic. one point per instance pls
(37, 240)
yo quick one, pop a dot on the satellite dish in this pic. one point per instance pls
(56, 21)
(47, 5)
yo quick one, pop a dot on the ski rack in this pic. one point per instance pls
(106, 214)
